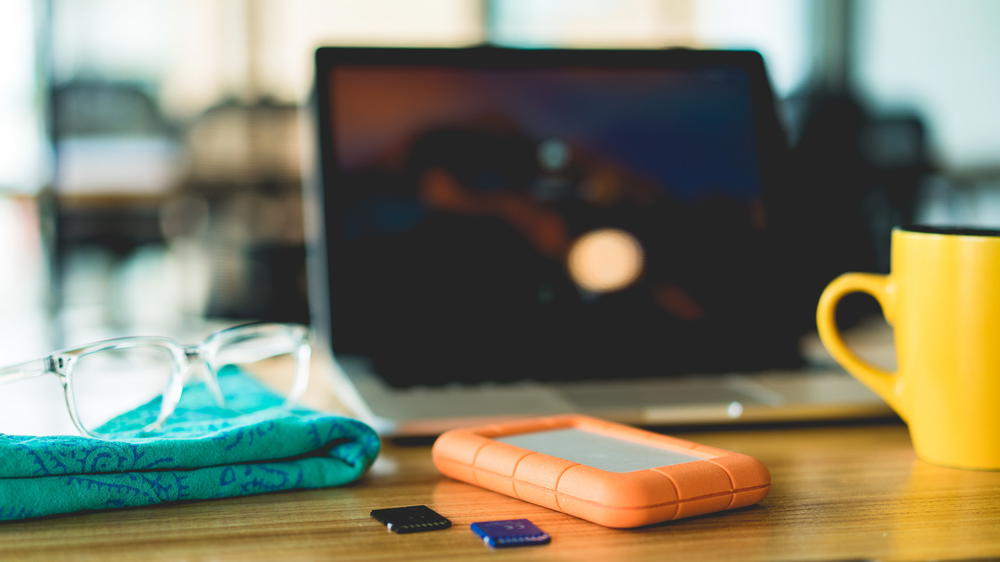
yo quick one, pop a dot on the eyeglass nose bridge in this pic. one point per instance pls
(195, 358)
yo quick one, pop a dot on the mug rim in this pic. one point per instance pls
(948, 230)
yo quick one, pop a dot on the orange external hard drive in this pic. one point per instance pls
(608, 473)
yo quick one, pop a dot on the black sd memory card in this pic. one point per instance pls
(412, 519)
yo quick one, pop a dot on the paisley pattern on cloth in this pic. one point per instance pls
(252, 446)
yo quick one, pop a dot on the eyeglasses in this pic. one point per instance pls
(106, 379)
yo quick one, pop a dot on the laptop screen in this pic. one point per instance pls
(515, 220)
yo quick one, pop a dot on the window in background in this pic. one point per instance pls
(942, 58)
(179, 150)
(146, 68)
(291, 30)
(197, 52)
(22, 153)
(110, 62)
(776, 28)
(23, 160)
(593, 23)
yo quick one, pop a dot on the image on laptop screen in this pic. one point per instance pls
(549, 223)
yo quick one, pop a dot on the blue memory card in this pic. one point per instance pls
(512, 532)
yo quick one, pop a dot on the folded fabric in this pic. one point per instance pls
(252, 446)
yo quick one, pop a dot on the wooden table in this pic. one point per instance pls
(839, 492)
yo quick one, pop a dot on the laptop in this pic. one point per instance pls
(501, 233)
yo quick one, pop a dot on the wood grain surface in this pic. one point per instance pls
(841, 492)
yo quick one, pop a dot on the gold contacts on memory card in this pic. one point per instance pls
(411, 519)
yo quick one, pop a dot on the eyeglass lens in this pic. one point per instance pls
(110, 383)
(270, 357)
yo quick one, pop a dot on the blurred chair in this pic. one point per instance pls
(245, 166)
(116, 157)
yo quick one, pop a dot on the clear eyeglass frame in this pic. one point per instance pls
(184, 358)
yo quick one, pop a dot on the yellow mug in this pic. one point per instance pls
(942, 299)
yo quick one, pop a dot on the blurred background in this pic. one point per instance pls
(152, 152)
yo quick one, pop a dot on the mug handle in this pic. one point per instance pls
(879, 380)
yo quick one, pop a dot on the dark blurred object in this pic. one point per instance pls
(115, 157)
(276, 271)
(245, 168)
(110, 140)
(896, 146)
(855, 177)
(119, 225)
(854, 173)
(90, 107)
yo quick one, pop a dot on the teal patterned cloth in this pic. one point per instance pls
(252, 446)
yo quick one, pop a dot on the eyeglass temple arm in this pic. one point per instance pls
(26, 370)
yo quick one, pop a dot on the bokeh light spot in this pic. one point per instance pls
(605, 260)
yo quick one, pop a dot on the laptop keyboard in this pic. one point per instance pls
(657, 393)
